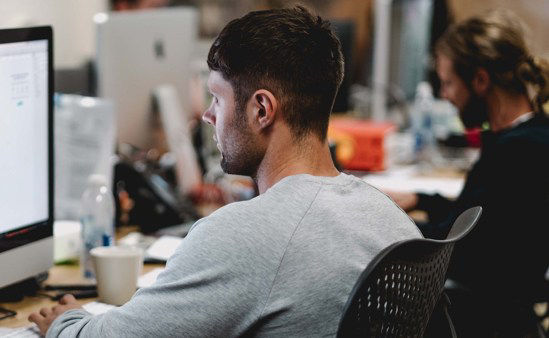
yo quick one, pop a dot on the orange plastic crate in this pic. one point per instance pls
(360, 143)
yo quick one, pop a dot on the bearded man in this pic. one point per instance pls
(488, 73)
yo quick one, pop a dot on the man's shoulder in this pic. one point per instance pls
(532, 132)
(233, 212)
(522, 148)
(306, 198)
(255, 217)
(236, 208)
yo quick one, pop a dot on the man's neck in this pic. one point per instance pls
(504, 108)
(287, 158)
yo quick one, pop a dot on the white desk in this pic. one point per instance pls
(447, 182)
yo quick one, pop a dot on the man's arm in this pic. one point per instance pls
(407, 201)
(437, 207)
(207, 289)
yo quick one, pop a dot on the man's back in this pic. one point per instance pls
(510, 181)
(282, 264)
(336, 227)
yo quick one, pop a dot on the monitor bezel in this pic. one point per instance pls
(30, 233)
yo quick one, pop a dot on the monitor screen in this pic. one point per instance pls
(26, 152)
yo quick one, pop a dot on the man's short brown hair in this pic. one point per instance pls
(289, 52)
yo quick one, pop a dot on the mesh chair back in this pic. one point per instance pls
(398, 290)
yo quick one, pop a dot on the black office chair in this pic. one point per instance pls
(398, 290)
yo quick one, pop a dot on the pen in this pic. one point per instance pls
(82, 287)
(77, 294)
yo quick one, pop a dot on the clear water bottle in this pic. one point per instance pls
(425, 146)
(97, 218)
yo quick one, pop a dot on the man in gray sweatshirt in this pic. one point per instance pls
(282, 264)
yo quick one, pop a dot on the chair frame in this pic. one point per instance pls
(396, 294)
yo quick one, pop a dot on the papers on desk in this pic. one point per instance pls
(163, 248)
(156, 249)
(20, 332)
(95, 308)
(406, 179)
(149, 278)
(85, 137)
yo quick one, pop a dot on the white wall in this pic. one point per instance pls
(72, 21)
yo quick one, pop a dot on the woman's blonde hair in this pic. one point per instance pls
(496, 43)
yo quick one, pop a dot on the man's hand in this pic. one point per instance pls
(406, 200)
(46, 316)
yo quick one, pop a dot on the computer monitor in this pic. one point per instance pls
(26, 153)
(137, 52)
(401, 48)
(345, 31)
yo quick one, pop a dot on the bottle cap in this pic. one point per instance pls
(97, 179)
(424, 89)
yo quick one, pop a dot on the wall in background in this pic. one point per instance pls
(361, 14)
(533, 12)
(72, 21)
(75, 34)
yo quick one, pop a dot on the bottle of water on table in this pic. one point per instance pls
(97, 218)
(425, 147)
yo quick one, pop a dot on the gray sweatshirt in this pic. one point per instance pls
(279, 265)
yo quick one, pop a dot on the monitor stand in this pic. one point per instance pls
(26, 287)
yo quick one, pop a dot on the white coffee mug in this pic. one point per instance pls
(116, 271)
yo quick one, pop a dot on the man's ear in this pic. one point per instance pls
(481, 82)
(265, 108)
